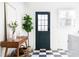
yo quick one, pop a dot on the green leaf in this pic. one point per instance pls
(13, 26)
(27, 23)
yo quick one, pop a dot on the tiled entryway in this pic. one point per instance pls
(50, 53)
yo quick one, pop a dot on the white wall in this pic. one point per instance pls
(1, 24)
(59, 35)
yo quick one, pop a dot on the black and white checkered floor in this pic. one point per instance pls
(50, 53)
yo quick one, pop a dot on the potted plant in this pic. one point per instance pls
(13, 26)
(27, 25)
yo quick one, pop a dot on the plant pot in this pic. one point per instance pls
(29, 48)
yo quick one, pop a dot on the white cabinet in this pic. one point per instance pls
(73, 45)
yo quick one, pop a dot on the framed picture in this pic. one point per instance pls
(66, 17)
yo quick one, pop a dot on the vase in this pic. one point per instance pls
(13, 36)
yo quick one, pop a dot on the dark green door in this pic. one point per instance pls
(42, 30)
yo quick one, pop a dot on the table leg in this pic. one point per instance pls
(26, 43)
(6, 51)
(17, 51)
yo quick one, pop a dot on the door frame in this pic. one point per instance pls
(36, 22)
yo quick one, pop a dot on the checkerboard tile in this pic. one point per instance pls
(42, 53)
(35, 55)
(56, 53)
(50, 53)
(64, 55)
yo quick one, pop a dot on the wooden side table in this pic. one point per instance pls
(14, 43)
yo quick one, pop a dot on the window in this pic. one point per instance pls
(42, 22)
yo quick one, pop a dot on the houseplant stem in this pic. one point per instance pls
(28, 38)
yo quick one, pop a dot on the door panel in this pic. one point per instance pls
(42, 30)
